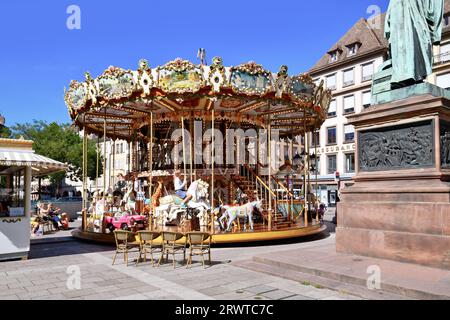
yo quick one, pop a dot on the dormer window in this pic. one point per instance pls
(333, 56)
(446, 20)
(353, 48)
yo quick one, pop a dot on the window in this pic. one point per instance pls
(349, 77)
(367, 71)
(446, 20)
(349, 104)
(349, 133)
(331, 135)
(12, 193)
(366, 98)
(315, 164)
(333, 56)
(444, 54)
(332, 109)
(315, 139)
(331, 164)
(443, 80)
(331, 82)
(445, 48)
(350, 163)
(352, 49)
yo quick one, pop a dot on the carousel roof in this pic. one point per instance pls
(247, 95)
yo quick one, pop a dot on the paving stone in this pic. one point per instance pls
(320, 293)
(298, 297)
(258, 297)
(259, 289)
(138, 296)
(278, 294)
(10, 297)
(30, 295)
(213, 291)
(12, 292)
(57, 290)
(234, 296)
(78, 293)
(100, 296)
(105, 289)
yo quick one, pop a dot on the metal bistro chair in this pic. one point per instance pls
(146, 245)
(199, 245)
(123, 245)
(170, 246)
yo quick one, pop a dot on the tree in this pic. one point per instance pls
(60, 142)
(5, 132)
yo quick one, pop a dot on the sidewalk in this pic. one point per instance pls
(323, 266)
(57, 236)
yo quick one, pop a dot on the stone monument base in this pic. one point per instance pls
(399, 204)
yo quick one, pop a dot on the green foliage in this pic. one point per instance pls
(60, 142)
(5, 132)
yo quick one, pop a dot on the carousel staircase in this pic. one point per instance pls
(248, 183)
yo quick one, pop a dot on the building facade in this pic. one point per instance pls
(347, 70)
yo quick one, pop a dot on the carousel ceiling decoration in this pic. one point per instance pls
(247, 94)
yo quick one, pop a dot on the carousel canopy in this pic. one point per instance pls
(123, 100)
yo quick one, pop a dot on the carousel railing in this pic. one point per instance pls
(283, 194)
(263, 191)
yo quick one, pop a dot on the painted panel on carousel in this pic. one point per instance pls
(302, 87)
(116, 83)
(250, 79)
(77, 96)
(180, 76)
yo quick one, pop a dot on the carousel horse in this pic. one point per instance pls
(129, 198)
(171, 206)
(237, 212)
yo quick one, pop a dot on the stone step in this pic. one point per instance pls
(318, 282)
(345, 274)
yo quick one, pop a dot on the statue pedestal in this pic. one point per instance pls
(399, 205)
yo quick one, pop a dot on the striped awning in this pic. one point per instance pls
(41, 165)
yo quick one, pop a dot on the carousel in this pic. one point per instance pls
(219, 149)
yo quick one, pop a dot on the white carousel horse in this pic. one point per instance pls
(171, 206)
(245, 211)
(128, 198)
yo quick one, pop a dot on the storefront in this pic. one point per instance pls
(18, 163)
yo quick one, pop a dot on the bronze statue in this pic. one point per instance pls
(412, 28)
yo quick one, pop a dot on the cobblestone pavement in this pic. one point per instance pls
(51, 269)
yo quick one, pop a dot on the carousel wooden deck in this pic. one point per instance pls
(259, 234)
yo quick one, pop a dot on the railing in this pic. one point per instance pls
(263, 191)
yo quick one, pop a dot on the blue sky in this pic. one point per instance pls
(39, 55)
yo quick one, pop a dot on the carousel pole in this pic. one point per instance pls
(84, 211)
(191, 162)
(291, 188)
(317, 172)
(104, 165)
(110, 164)
(212, 170)
(97, 149)
(184, 145)
(270, 167)
(114, 162)
(150, 222)
(305, 171)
